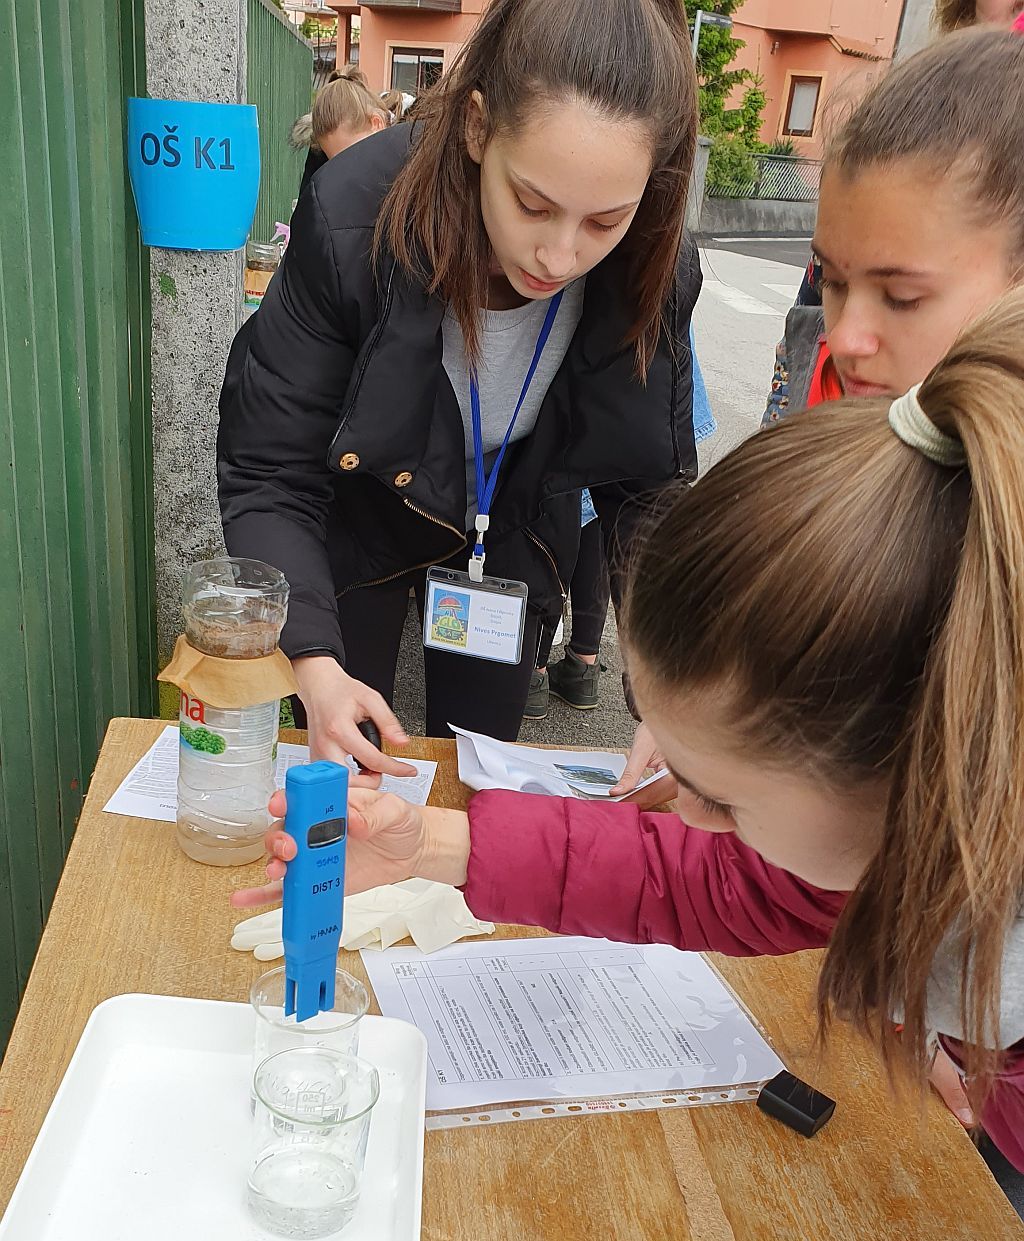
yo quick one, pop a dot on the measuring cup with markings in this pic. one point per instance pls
(336, 1028)
(312, 1122)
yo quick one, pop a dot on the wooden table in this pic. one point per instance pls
(133, 914)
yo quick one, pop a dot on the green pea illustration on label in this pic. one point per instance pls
(203, 739)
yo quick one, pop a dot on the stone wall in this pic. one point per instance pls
(756, 217)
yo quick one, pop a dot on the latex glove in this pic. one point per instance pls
(262, 936)
(433, 915)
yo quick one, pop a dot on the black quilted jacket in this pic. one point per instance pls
(341, 452)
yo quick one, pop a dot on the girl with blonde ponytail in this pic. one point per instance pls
(855, 781)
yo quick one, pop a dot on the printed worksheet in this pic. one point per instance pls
(536, 1019)
(150, 790)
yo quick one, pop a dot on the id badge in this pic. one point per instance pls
(484, 619)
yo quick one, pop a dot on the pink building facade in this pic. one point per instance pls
(407, 44)
(815, 58)
(812, 55)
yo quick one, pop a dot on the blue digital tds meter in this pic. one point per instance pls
(314, 886)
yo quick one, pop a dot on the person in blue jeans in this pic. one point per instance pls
(575, 677)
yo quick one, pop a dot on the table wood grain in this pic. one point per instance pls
(133, 914)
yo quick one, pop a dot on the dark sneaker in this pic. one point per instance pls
(575, 682)
(537, 702)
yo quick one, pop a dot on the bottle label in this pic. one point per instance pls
(256, 283)
(199, 726)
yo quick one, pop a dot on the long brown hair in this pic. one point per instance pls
(630, 60)
(863, 608)
(954, 108)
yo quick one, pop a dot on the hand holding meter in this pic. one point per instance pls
(314, 885)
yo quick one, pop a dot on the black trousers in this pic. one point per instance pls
(589, 592)
(477, 694)
(1009, 1180)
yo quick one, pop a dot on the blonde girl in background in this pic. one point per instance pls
(345, 111)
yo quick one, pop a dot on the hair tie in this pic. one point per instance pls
(913, 426)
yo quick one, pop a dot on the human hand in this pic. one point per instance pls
(336, 704)
(389, 841)
(948, 1085)
(645, 754)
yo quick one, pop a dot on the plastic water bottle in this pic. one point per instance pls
(233, 609)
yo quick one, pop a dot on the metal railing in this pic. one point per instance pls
(280, 84)
(785, 178)
(325, 61)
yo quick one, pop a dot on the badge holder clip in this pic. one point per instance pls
(476, 561)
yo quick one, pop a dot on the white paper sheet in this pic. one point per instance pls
(150, 790)
(488, 764)
(537, 1019)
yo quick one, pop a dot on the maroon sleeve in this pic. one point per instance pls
(1002, 1117)
(586, 868)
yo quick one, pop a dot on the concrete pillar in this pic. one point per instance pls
(195, 52)
(698, 181)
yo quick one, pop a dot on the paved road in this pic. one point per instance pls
(748, 287)
(737, 323)
(793, 251)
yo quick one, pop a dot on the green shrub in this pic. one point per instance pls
(732, 169)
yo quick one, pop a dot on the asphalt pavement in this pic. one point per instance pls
(793, 251)
(749, 284)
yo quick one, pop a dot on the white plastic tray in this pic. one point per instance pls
(149, 1135)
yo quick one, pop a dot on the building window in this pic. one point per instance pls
(802, 107)
(414, 69)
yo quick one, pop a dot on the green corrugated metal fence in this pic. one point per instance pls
(76, 580)
(280, 84)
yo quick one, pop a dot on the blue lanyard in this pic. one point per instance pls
(485, 485)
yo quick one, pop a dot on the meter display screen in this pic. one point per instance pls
(328, 832)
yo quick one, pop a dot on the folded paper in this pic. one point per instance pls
(229, 683)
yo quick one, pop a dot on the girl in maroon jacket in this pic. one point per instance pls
(854, 780)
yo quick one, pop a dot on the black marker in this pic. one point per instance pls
(372, 734)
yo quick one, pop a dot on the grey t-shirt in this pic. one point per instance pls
(944, 987)
(508, 339)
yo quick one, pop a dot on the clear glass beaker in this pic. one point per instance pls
(312, 1122)
(336, 1029)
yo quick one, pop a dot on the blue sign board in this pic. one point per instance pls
(195, 172)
